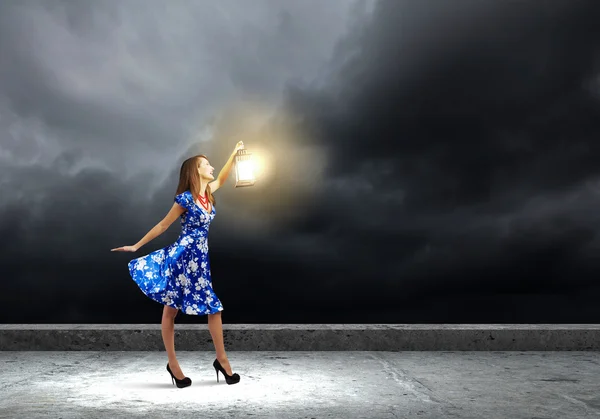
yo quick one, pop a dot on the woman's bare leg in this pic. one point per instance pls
(215, 326)
(168, 334)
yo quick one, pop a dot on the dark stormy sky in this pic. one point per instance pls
(424, 161)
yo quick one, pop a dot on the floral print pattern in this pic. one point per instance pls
(179, 275)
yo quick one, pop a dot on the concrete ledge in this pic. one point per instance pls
(304, 337)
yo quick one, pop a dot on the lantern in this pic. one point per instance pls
(244, 168)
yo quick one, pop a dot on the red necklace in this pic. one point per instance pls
(203, 201)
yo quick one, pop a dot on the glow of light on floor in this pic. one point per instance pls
(147, 390)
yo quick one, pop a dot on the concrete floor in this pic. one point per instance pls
(303, 385)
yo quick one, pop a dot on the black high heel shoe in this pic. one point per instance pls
(229, 379)
(184, 382)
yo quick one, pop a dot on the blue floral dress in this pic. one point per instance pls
(179, 275)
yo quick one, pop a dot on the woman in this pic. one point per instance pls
(178, 276)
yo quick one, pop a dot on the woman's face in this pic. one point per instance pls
(205, 170)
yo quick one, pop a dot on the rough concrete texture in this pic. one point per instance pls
(305, 337)
(303, 385)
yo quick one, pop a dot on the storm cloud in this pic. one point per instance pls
(463, 160)
(426, 161)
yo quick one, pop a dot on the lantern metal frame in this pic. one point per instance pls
(243, 155)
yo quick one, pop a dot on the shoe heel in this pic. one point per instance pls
(184, 382)
(229, 379)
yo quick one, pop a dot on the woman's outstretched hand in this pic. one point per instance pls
(124, 249)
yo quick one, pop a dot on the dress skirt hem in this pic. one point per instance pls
(180, 307)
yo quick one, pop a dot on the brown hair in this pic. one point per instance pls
(189, 179)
